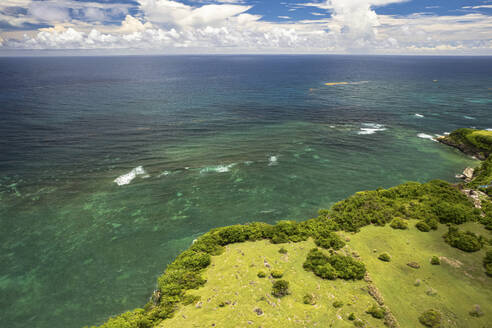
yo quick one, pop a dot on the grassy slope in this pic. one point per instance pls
(471, 141)
(458, 288)
(232, 278)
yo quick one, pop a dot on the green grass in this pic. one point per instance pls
(474, 141)
(460, 281)
(232, 278)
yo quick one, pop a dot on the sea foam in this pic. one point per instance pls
(371, 128)
(218, 168)
(273, 160)
(128, 177)
(419, 115)
(425, 136)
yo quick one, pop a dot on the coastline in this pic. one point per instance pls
(185, 273)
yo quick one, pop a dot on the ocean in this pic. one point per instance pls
(111, 166)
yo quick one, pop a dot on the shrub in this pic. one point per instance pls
(417, 282)
(487, 263)
(282, 250)
(431, 318)
(285, 231)
(309, 299)
(351, 316)
(276, 274)
(385, 257)
(377, 312)
(359, 323)
(280, 288)
(431, 292)
(435, 260)
(422, 226)
(337, 304)
(326, 271)
(261, 274)
(190, 299)
(476, 311)
(330, 241)
(399, 223)
(466, 241)
(333, 266)
(432, 223)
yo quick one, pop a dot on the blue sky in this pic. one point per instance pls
(247, 26)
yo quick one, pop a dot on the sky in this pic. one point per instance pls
(427, 27)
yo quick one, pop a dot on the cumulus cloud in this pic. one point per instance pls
(176, 14)
(227, 26)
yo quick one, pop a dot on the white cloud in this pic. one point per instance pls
(168, 13)
(227, 27)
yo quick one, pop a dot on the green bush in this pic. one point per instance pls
(351, 316)
(436, 200)
(359, 323)
(377, 312)
(326, 271)
(435, 260)
(309, 299)
(431, 318)
(476, 311)
(422, 226)
(190, 299)
(330, 241)
(285, 231)
(432, 223)
(385, 257)
(261, 274)
(334, 266)
(337, 304)
(280, 288)
(399, 223)
(276, 274)
(466, 241)
(282, 250)
(487, 263)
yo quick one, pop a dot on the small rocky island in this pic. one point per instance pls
(415, 255)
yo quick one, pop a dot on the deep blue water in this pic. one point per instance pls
(220, 140)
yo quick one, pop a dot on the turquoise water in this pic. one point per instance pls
(209, 141)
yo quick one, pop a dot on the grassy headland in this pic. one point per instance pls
(408, 256)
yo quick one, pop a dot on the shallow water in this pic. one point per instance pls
(220, 140)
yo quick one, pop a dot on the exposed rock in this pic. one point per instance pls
(258, 311)
(475, 196)
(468, 173)
(414, 265)
(199, 305)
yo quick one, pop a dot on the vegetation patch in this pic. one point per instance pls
(431, 318)
(436, 201)
(399, 223)
(487, 263)
(276, 274)
(330, 241)
(280, 288)
(466, 241)
(334, 266)
(470, 141)
(309, 299)
(435, 260)
(385, 257)
(377, 312)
